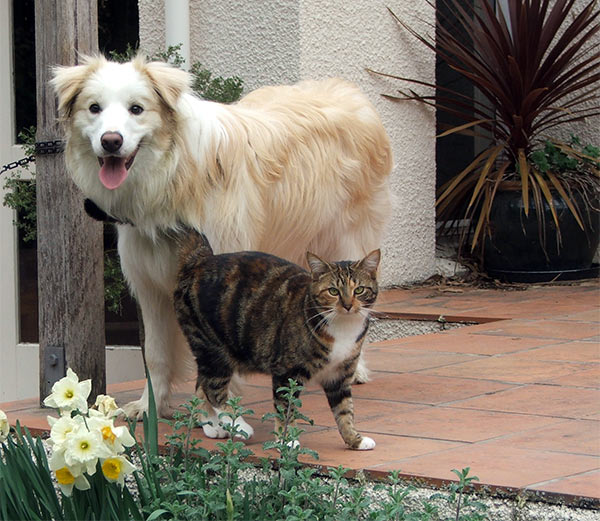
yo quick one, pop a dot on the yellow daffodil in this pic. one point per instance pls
(116, 468)
(66, 480)
(69, 393)
(116, 438)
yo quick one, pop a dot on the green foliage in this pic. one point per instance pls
(189, 482)
(20, 194)
(115, 286)
(554, 157)
(207, 86)
(465, 508)
(224, 90)
(171, 55)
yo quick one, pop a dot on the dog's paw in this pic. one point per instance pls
(366, 444)
(135, 410)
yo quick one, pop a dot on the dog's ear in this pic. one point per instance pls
(168, 82)
(68, 82)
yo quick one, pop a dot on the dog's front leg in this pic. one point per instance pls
(149, 267)
(164, 349)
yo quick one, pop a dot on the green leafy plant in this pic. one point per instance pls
(115, 287)
(465, 508)
(207, 86)
(224, 90)
(186, 481)
(531, 82)
(20, 194)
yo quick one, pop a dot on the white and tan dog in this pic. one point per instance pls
(285, 170)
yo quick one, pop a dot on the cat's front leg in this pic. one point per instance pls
(339, 396)
(220, 414)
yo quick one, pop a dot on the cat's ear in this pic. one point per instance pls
(317, 266)
(371, 261)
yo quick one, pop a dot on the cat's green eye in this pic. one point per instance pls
(334, 292)
(359, 290)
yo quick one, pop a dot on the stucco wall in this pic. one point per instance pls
(282, 41)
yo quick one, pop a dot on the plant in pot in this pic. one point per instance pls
(530, 197)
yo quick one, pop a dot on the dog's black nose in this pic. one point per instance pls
(111, 141)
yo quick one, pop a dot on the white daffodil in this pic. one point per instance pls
(116, 468)
(63, 427)
(116, 438)
(66, 480)
(69, 393)
(107, 406)
(57, 462)
(4, 426)
(83, 448)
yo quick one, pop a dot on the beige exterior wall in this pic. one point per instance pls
(283, 41)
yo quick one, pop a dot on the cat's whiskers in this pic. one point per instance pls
(366, 312)
(325, 315)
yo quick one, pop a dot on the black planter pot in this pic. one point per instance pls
(514, 252)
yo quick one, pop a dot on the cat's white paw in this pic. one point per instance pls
(362, 374)
(210, 431)
(294, 444)
(366, 444)
(215, 428)
(244, 426)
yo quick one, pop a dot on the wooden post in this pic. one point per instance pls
(70, 244)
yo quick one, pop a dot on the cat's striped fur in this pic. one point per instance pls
(253, 312)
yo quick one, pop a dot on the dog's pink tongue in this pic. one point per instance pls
(113, 172)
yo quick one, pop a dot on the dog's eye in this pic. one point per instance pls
(136, 110)
(95, 108)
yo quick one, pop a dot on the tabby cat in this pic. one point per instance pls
(252, 312)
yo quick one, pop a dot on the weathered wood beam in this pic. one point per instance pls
(70, 249)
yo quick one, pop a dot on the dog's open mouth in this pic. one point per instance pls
(113, 170)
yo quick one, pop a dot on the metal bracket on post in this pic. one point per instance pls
(54, 364)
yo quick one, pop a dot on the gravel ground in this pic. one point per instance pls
(497, 509)
(385, 329)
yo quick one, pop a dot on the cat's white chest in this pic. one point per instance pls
(345, 329)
